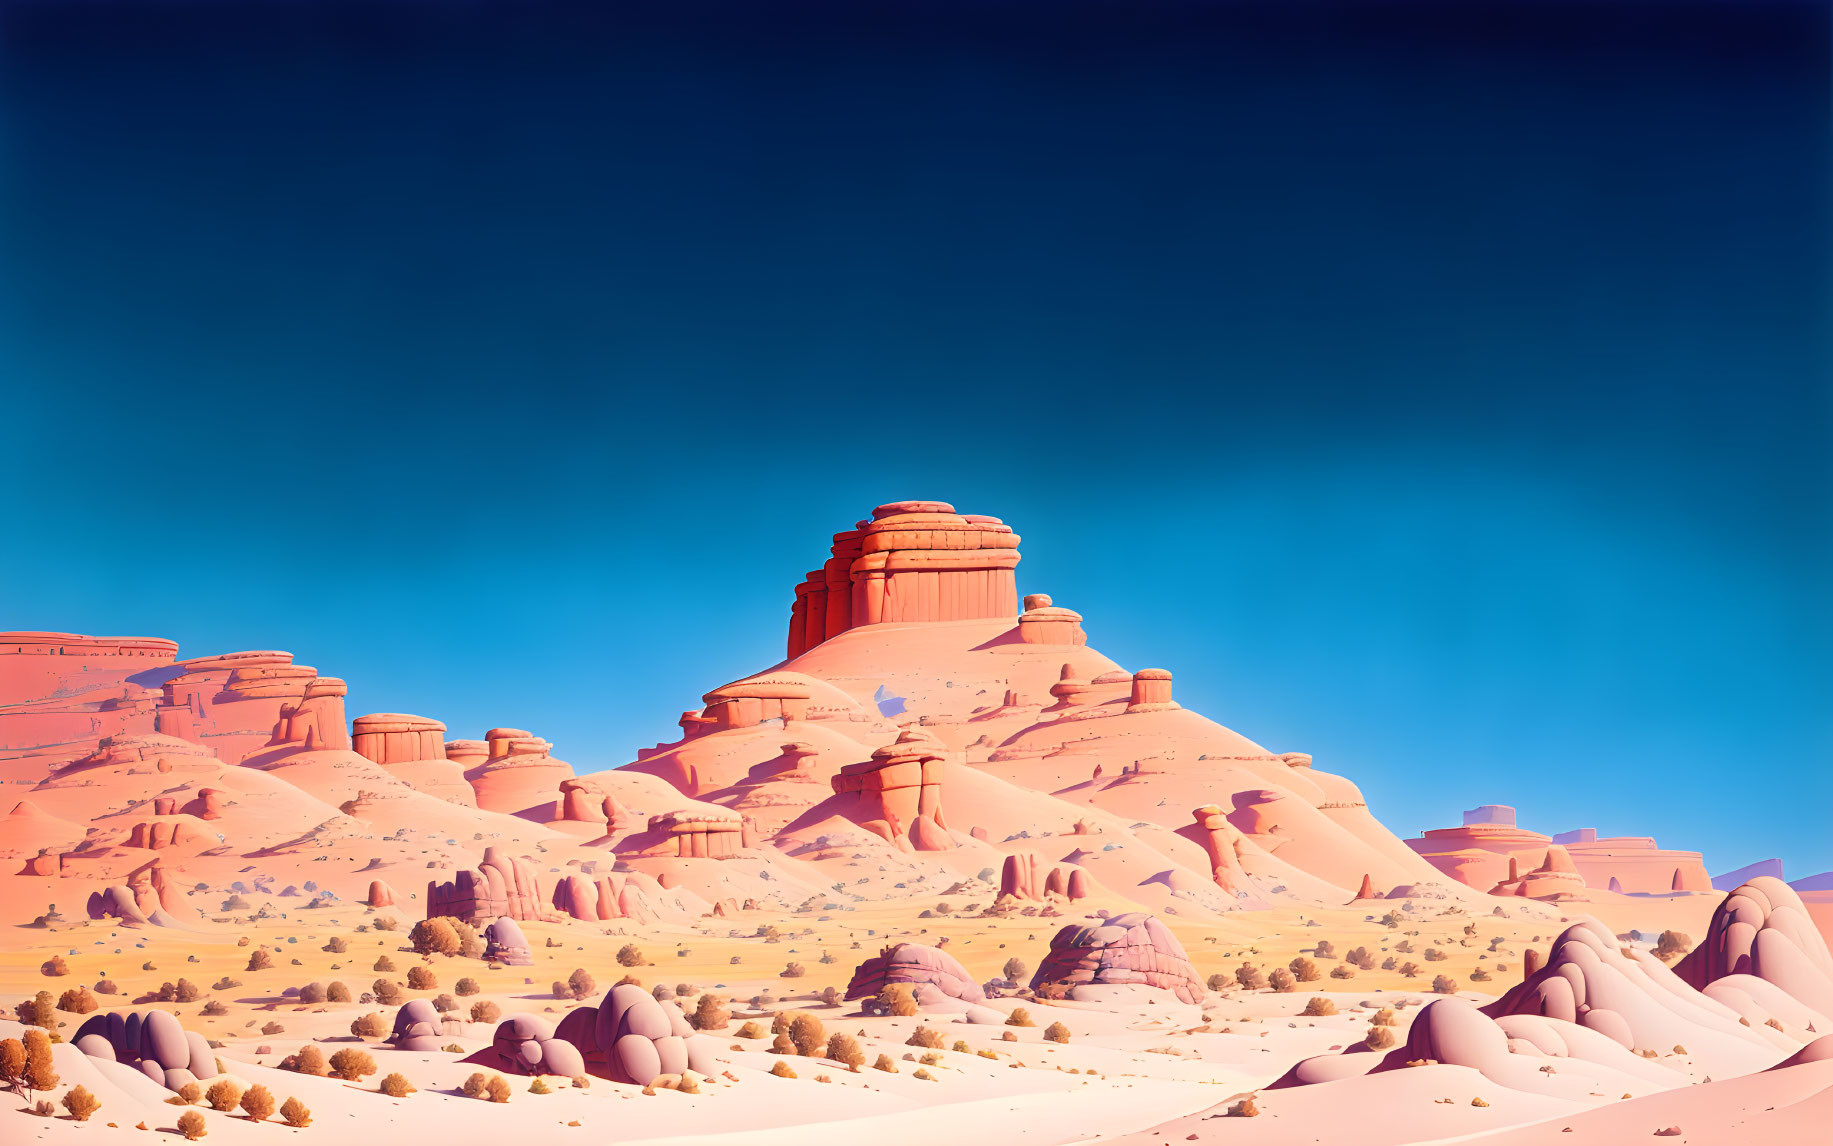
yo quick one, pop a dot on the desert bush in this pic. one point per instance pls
(630, 955)
(443, 1002)
(387, 992)
(808, 1034)
(39, 1074)
(397, 1086)
(485, 1011)
(466, 986)
(831, 996)
(710, 1013)
(1304, 970)
(498, 1090)
(223, 1095)
(1444, 985)
(273, 1029)
(470, 943)
(1318, 1006)
(386, 923)
(1282, 979)
(539, 1086)
(383, 964)
(1434, 955)
(580, 983)
(1325, 949)
(751, 1031)
(258, 1103)
(81, 1104)
(337, 993)
(844, 1048)
(190, 1094)
(1378, 1038)
(896, 999)
(1250, 977)
(1385, 1017)
(108, 987)
(421, 979)
(782, 1070)
(925, 1037)
(352, 1065)
(1479, 976)
(312, 993)
(77, 1001)
(1361, 958)
(1019, 1018)
(191, 1124)
(370, 1026)
(1220, 982)
(434, 936)
(337, 946)
(476, 1085)
(792, 971)
(1342, 971)
(259, 960)
(55, 965)
(885, 1064)
(1056, 1033)
(1672, 944)
(296, 1113)
(1409, 970)
(1015, 970)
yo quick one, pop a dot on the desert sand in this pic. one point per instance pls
(984, 882)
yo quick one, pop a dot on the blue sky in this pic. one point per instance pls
(1440, 391)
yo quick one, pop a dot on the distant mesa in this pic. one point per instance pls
(1490, 851)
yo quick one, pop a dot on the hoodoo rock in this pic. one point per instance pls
(1555, 878)
(498, 886)
(898, 793)
(1043, 623)
(520, 776)
(933, 974)
(914, 561)
(699, 833)
(154, 1042)
(1133, 949)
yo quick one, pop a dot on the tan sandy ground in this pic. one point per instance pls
(1123, 1071)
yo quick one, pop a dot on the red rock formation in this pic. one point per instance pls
(157, 834)
(1555, 878)
(1218, 838)
(1018, 877)
(700, 835)
(240, 703)
(1367, 890)
(317, 721)
(1043, 623)
(1152, 691)
(899, 792)
(1476, 853)
(397, 738)
(380, 894)
(914, 561)
(520, 776)
(497, 887)
(467, 752)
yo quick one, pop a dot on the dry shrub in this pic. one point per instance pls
(1056, 1033)
(1304, 970)
(352, 1065)
(1019, 1018)
(191, 1125)
(806, 1031)
(485, 1011)
(498, 1090)
(1319, 1006)
(466, 986)
(1282, 979)
(81, 1104)
(925, 1037)
(223, 1095)
(258, 1103)
(710, 1014)
(296, 1113)
(1444, 985)
(397, 1086)
(783, 1070)
(421, 979)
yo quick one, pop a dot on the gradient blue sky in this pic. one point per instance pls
(1442, 391)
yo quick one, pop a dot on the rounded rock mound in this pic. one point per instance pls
(934, 975)
(1133, 949)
